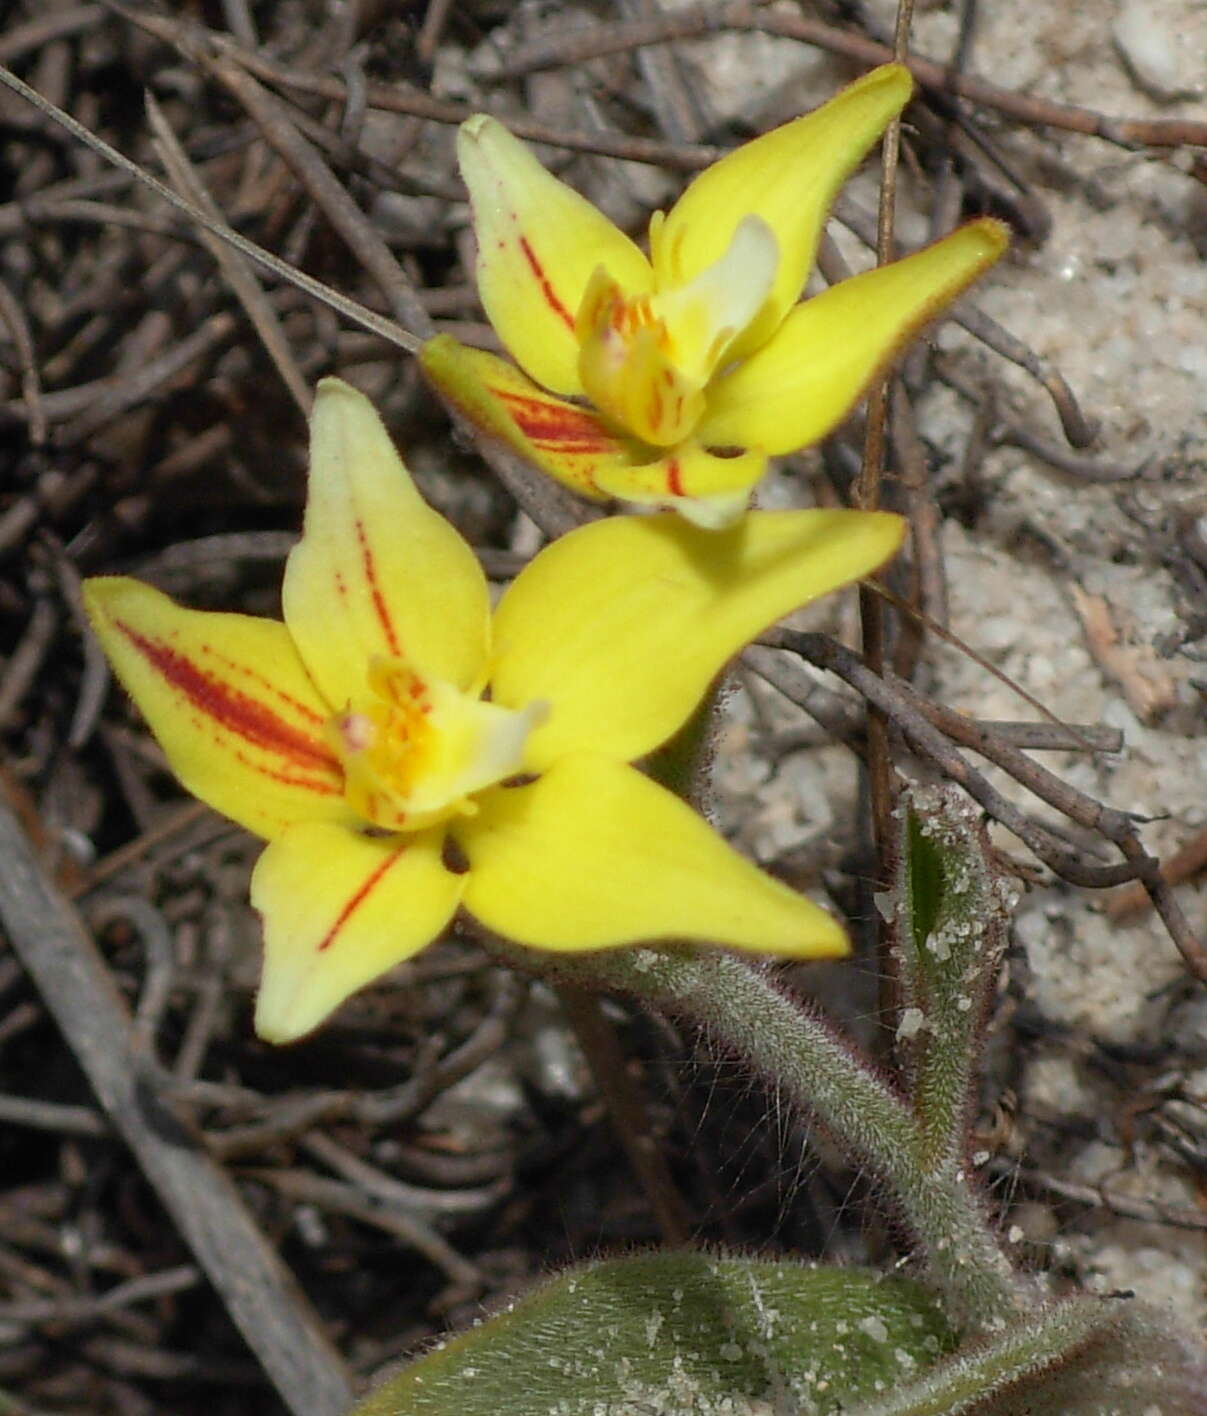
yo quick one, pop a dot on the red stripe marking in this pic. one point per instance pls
(237, 712)
(379, 603)
(288, 779)
(674, 478)
(547, 290)
(358, 899)
(656, 408)
(268, 688)
(569, 449)
(555, 425)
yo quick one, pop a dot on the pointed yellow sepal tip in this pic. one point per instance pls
(594, 855)
(992, 235)
(801, 384)
(894, 81)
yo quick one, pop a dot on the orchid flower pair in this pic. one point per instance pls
(407, 754)
(671, 380)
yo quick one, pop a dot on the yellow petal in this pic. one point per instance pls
(621, 625)
(339, 909)
(707, 490)
(801, 385)
(377, 571)
(595, 855)
(229, 702)
(789, 177)
(567, 442)
(538, 244)
(704, 316)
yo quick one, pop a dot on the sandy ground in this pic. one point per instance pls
(1045, 567)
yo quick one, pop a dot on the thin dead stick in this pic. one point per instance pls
(52, 1116)
(41, 209)
(1079, 431)
(12, 316)
(928, 590)
(329, 195)
(1154, 1211)
(555, 51)
(1053, 737)
(999, 427)
(340, 1197)
(259, 1292)
(677, 107)
(1066, 799)
(882, 781)
(180, 819)
(1186, 862)
(930, 743)
(71, 1311)
(239, 275)
(895, 701)
(350, 309)
(390, 98)
(838, 720)
(950, 637)
(57, 24)
(125, 390)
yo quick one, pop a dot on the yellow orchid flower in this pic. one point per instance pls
(696, 365)
(404, 752)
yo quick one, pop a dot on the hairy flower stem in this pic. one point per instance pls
(968, 1379)
(743, 1010)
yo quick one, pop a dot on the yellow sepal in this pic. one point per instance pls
(595, 855)
(789, 177)
(377, 572)
(340, 908)
(229, 702)
(801, 385)
(567, 442)
(621, 625)
(538, 244)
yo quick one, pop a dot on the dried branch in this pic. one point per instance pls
(259, 1291)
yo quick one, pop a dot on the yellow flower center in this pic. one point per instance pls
(645, 360)
(415, 750)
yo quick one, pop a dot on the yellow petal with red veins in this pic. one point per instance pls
(707, 490)
(538, 244)
(594, 855)
(621, 625)
(567, 442)
(340, 909)
(377, 571)
(801, 385)
(628, 370)
(789, 177)
(229, 702)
